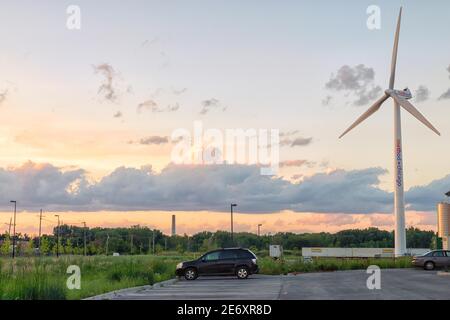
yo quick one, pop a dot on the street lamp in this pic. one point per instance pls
(57, 237)
(231, 207)
(14, 229)
(259, 229)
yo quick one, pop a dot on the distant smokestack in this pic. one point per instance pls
(174, 229)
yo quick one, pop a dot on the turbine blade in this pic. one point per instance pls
(395, 51)
(411, 109)
(366, 114)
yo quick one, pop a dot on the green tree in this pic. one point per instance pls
(68, 248)
(5, 247)
(45, 246)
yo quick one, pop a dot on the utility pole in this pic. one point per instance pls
(153, 241)
(107, 243)
(85, 249)
(232, 233)
(131, 244)
(9, 229)
(57, 237)
(40, 229)
(14, 229)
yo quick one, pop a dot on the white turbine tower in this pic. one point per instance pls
(400, 98)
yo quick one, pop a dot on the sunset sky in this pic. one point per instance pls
(86, 116)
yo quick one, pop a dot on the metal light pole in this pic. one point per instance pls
(40, 230)
(14, 229)
(259, 229)
(57, 237)
(232, 231)
(84, 224)
(107, 243)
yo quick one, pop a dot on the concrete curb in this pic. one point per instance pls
(113, 294)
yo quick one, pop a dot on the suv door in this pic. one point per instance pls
(209, 263)
(227, 262)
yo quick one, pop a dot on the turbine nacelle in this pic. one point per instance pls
(405, 93)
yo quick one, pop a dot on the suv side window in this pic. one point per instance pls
(213, 256)
(227, 254)
(243, 254)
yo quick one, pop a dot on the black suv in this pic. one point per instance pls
(221, 262)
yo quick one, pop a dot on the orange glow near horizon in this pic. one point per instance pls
(193, 222)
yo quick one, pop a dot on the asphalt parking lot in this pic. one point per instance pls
(403, 284)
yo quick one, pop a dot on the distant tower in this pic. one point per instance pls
(174, 229)
(444, 224)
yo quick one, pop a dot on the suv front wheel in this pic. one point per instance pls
(242, 272)
(190, 274)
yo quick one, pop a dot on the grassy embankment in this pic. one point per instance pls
(45, 278)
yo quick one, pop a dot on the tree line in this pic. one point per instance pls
(143, 240)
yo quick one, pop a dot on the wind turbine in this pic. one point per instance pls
(400, 98)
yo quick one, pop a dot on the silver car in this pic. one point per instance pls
(433, 259)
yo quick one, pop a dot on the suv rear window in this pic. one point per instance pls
(245, 254)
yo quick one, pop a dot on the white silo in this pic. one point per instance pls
(444, 224)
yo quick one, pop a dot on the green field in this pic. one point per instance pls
(45, 278)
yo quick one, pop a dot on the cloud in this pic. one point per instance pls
(44, 185)
(3, 96)
(154, 140)
(149, 105)
(358, 80)
(327, 100)
(292, 139)
(294, 163)
(106, 88)
(425, 198)
(153, 106)
(178, 92)
(301, 142)
(446, 95)
(118, 114)
(196, 188)
(422, 94)
(208, 105)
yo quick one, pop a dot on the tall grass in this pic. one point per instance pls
(296, 264)
(45, 278)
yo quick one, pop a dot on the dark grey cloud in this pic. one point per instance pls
(446, 95)
(358, 80)
(300, 142)
(154, 140)
(422, 94)
(107, 88)
(44, 185)
(293, 139)
(425, 198)
(213, 103)
(180, 188)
